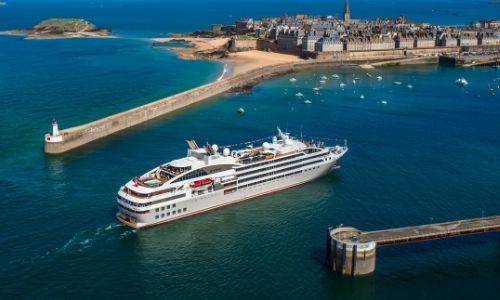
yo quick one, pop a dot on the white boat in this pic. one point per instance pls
(369, 75)
(398, 83)
(240, 110)
(409, 86)
(362, 97)
(342, 85)
(307, 101)
(207, 179)
(299, 94)
(335, 76)
(324, 77)
(383, 102)
(293, 79)
(322, 81)
(379, 77)
(462, 81)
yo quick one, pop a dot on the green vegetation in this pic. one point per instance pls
(65, 25)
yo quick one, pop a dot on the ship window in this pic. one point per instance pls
(184, 209)
(173, 212)
(179, 211)
(163, 208)
(173, 205)
(163, 215)
(157, 210)
(156, 217)
(168, 206)
(168, 214)
(190, 175)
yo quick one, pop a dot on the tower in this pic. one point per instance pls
(56, 136)
(347, 13)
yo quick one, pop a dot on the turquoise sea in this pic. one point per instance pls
(430, 154)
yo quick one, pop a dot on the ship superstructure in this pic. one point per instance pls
(207, 179)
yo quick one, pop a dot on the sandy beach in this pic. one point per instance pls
(235, 63)
(249, 60)
(199, 46)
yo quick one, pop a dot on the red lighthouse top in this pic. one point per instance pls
(54, 122)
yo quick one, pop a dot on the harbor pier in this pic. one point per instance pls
(70, 138)
(350, 251)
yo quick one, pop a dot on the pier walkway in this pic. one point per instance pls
(350, 251)
(431, 231)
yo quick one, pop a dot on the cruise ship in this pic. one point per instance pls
(208, 179)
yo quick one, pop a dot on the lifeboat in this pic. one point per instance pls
(201, 182)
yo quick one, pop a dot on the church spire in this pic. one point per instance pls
(347, 13)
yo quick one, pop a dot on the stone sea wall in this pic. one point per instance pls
(81, 135)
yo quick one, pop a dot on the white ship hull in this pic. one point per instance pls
(210, 201)
(206, 179)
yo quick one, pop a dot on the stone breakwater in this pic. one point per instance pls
(80, 135)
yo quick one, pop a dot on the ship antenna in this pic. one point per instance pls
(301, 139)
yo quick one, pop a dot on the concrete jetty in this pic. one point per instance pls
(350, 251)
(74, 137)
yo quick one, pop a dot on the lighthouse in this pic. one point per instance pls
(55, 137)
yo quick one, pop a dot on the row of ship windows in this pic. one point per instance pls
(280, 165)
(140, 195)
(167, 214)
(282, 170)
(133, 211)
(190, 175)
(269, 179)
(164, 207)
(269, 161)
(151, 203)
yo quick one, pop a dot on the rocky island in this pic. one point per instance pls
(62, 28)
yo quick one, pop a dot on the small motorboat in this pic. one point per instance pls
(322, 81)
(369, 75)
(335, 76)
(379, 77)
(299, 94)
(409, 86)
(240, 110)
(324, 78)
(383, 102)
(293, 79)
(307, 101)
(362, 97)
(342, 85)
(398, 83)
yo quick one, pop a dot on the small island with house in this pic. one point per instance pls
(57, 28)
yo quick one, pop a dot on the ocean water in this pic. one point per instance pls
(430, 154)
